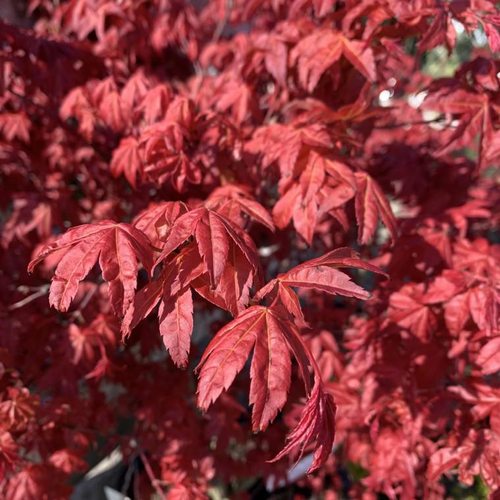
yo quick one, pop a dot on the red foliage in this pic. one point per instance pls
(241, 150)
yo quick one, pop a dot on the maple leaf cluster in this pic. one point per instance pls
(240, 236)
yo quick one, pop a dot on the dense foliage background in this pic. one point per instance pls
(278, 131)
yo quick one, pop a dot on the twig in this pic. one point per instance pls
(84, 303)
(223, 22)
(88, 296)
(129, 474)
(42, 291)
(409, 124)
(151, 475)
(201, 73)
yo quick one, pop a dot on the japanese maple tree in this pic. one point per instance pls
(244, 236)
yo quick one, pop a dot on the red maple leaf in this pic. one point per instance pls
(118, 248)
(316, 53)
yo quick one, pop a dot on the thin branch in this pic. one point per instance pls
(129, 475)
(84, 303)
(88, 296)
(201, 73)
(409, 124)
(223, 22)
(151, 475)
(40, 293)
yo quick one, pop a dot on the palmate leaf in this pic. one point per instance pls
(477, 452)
(325, 184)
(8, 453)
(29, 214)
(318, 52)
(212, 233)
(475, 110)
(175, 314)
(118, 246)
(26, 484)
(233, 200)
(261, 329)
(319, 274)
(443, 460)
(126, 160)
(157, 220)
(227, 353)
(409, 310)
(284, 144)
(220, 264)
(317, 422)
(325, 279)
(271, 335)
(233, 291)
